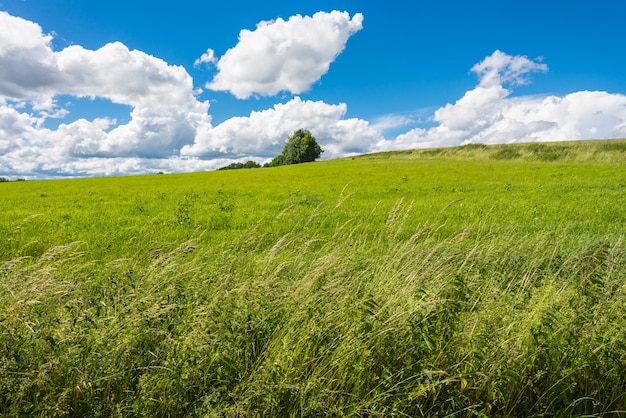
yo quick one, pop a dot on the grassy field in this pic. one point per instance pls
(469, 281)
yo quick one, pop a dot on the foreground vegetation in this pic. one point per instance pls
(468, 281)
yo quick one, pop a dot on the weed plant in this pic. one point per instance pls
(417, 284)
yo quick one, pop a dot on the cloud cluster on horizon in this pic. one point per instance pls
(487, 115)
(170, 129)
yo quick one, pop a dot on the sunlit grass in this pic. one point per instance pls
(429, 283)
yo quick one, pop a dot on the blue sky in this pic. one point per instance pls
(108, 88)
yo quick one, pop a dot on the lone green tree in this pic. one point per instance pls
(301, 147)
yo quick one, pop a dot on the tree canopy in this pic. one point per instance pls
(301, 147)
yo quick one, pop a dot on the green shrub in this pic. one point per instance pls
(301, 147)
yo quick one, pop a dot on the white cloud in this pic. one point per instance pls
(263, 133)
(284, 55)
(207, 58)
(487, 114)
(392, 121)
(26, 57)
(28, 165)
(165, 112)
(13, 124)
(500, 68)
(126, 77)
(31, 70)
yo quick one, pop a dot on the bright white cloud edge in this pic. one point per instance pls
(170, 129)
(284, 55)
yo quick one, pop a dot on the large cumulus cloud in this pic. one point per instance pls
(165, 112)
(263, 133)
(283, 55)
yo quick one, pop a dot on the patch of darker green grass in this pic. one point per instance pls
(612, 147)
(433, 152)
(544, 152)
(508, 153)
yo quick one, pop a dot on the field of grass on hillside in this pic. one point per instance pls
(467, 281)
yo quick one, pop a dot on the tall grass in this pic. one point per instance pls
(328, 301)
(353, 324)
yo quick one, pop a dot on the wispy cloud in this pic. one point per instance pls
(392, 121)
(208, 58)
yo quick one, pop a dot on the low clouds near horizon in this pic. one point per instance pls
(488, 115)
(170, 129)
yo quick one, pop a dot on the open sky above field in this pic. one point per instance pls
(128, 87)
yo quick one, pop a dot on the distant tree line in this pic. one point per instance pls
(301, 147)
(237, 166)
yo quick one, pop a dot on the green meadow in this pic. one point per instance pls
(467, 281)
